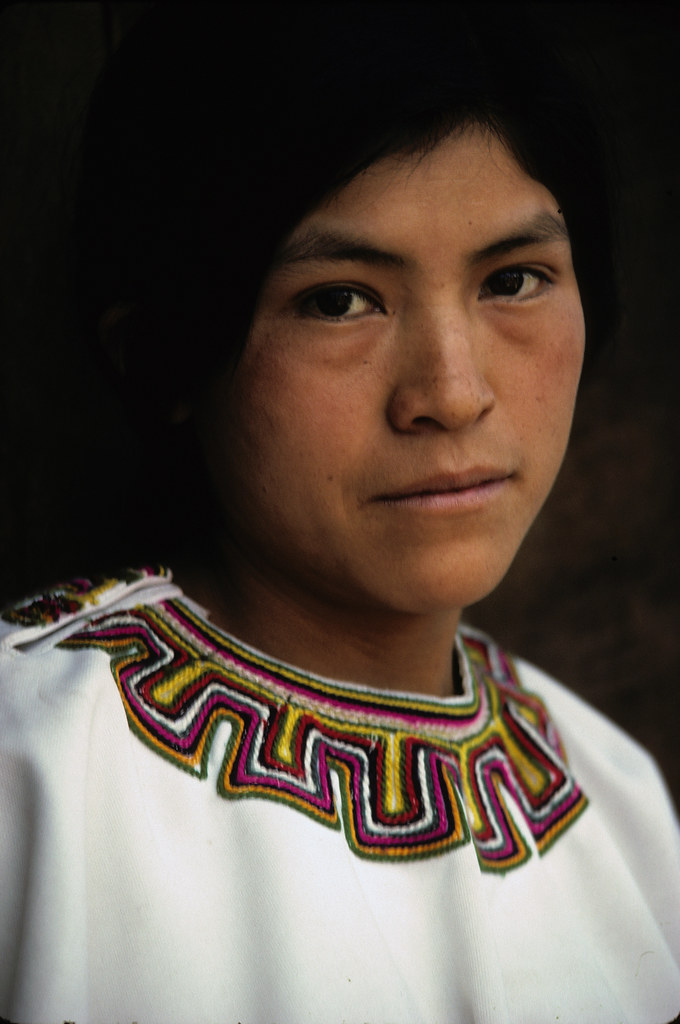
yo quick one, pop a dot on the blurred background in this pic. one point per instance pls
(593, 596)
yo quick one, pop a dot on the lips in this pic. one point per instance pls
(447, 483)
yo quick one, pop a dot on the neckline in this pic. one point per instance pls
(287, 683)
(220, 639)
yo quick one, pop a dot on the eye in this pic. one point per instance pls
(514, 283)
(339, 302)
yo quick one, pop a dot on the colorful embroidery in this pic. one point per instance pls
(417, 776)
(68, 598)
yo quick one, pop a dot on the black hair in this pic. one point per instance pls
(217, 127)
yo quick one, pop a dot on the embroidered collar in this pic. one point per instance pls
(418, 775)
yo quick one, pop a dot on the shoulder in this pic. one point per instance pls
(629, 809)
(53, 695)
(592, 740)
(41, 676)
(46, 618)
(620, 777)
(621, 780)
(617, 774)
(588, 735)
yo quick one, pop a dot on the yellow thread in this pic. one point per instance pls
(284, 748)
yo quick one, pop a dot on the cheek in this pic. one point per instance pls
(555, 388)
(541, 393)
(297, 403)
(278, 428)
(565, 360)
(559, 351)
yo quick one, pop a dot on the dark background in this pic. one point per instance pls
(593, 596)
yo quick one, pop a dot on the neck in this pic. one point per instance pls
(374, 647)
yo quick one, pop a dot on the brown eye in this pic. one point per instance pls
(516, 282)
(338, 303)
(507, 282)
(335, 301)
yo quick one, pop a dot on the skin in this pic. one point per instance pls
(381, 449)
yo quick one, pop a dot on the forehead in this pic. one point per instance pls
(468, 193)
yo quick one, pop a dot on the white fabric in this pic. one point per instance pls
(133, 891)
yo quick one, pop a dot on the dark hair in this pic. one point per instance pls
(217, 127)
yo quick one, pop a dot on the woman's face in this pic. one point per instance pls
(404, 399)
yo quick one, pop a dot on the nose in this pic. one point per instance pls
(440, 378)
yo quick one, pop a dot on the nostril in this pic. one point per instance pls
(424, 424)
(440, 402)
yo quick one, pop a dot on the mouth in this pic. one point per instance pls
(449, 490)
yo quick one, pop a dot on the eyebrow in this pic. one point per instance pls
(543, 228)
(317, 246)
(335, 247)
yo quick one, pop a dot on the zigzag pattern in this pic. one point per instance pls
(417, 776)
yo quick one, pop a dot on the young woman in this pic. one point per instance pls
(357, 255)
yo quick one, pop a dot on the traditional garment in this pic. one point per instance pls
(195, 832)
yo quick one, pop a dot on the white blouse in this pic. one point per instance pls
(195, 833)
